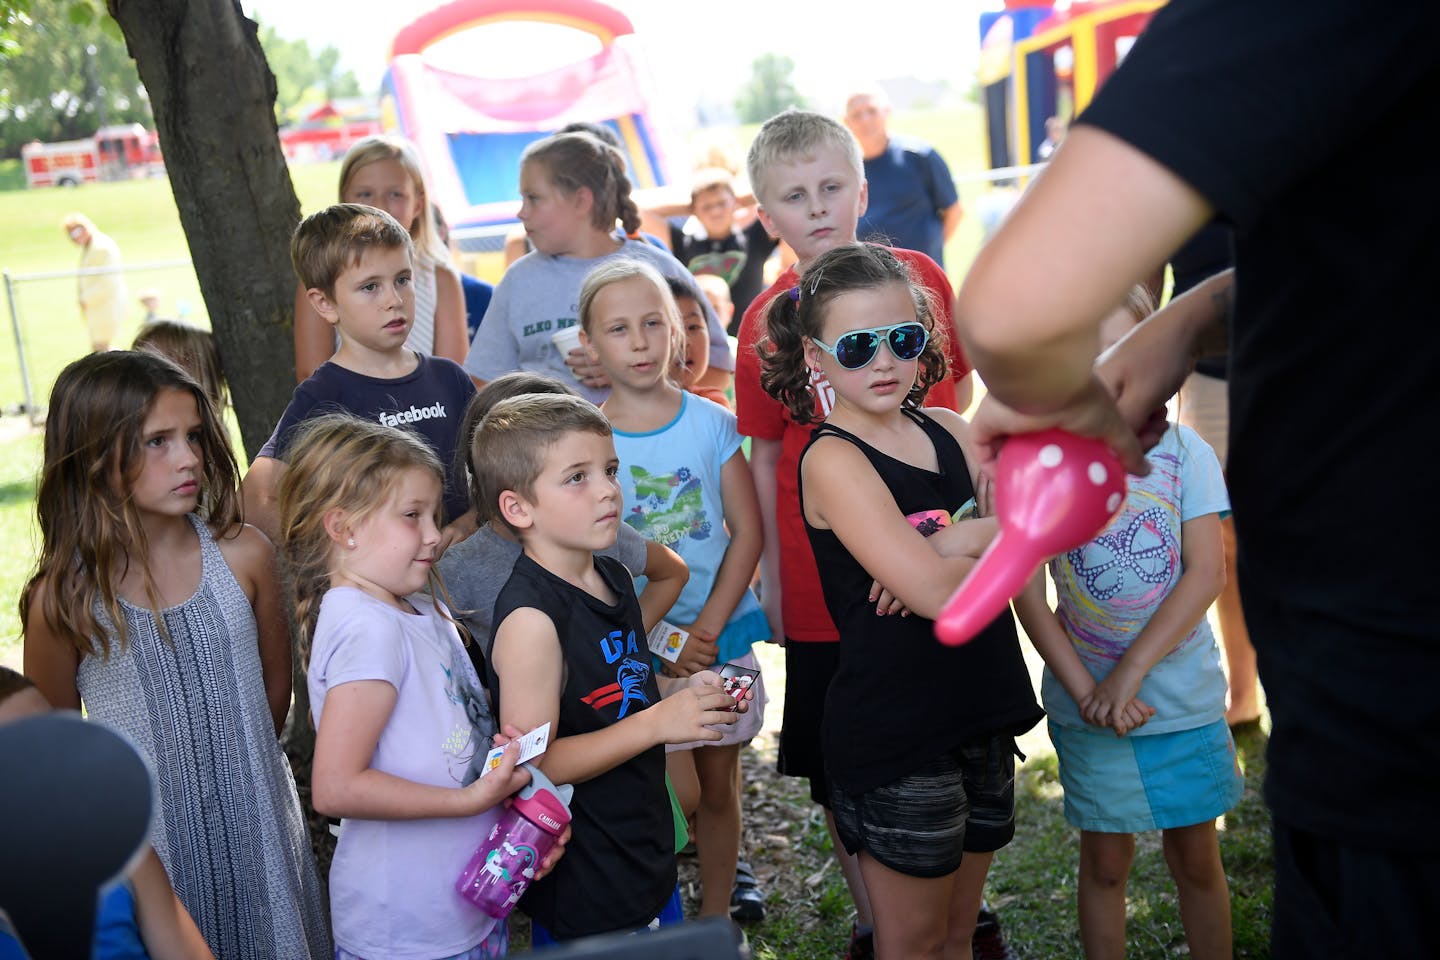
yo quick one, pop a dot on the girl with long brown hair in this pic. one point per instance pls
(155, 607)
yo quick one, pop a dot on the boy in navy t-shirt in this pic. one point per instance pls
(355, 264)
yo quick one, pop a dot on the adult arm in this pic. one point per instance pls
(451, 340)
(950, 219)
(1101, 217)
(314, 338)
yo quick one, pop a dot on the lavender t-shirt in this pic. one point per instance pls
(392, 882)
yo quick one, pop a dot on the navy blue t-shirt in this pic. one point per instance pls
(477, 300)
(430, 401)
(909, 187)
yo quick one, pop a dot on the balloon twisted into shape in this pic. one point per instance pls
(1053, 492)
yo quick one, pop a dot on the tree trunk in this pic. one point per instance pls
(213, 97)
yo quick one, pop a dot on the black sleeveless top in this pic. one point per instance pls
(899, 697)
(619, 866)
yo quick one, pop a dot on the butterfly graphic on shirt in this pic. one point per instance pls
(1144, 547)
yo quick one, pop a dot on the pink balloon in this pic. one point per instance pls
(1053, 492)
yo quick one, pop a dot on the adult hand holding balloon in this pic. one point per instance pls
(1053, 492)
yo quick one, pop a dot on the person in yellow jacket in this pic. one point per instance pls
(102, 295)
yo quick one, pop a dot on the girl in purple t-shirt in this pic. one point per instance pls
(402, 721)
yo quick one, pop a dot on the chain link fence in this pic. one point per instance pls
(47, 330)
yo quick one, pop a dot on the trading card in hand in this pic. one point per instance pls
(736, 680)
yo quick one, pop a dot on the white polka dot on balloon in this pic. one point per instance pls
(1051, 455)
(1113, 503)
(1097, 472)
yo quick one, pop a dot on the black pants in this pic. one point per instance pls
(1333, 899)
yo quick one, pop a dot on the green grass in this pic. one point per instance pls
(18, 459)
(12, 175)
(141, 216)
(1032, 882)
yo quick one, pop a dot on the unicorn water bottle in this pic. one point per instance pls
(502, 868)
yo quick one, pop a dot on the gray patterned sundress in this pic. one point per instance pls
(227, 821)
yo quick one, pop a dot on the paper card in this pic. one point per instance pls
(531, 746)
(736, 681)
(667, 640)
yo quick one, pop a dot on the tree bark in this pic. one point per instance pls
(213, 97)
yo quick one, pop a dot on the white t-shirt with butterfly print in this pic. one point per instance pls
(1107, 590)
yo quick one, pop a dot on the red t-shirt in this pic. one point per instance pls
(762, 416)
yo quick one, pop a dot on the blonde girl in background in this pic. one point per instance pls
(384, 172)
(155, 607)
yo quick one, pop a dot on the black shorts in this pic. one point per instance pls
(923, 823)
(809, 666)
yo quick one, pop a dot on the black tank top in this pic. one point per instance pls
(619, 866)
(899, 697)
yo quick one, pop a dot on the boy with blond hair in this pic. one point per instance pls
(355, 263)
(570, 650)
(808, 175)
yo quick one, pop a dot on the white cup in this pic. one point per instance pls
(567, 339)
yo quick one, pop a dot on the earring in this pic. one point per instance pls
(350, 543)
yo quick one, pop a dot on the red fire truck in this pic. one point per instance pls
(124, 152)
(329, 131)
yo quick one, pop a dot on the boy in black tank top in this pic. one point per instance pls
(570, 649)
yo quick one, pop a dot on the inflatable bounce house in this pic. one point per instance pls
(471, 129)
(1040, 59)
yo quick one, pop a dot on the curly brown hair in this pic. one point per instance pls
(794, 317)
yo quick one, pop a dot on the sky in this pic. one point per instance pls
(695, 50)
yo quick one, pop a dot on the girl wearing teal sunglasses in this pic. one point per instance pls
(918, 738)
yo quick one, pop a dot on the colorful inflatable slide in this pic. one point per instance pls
(471, 129)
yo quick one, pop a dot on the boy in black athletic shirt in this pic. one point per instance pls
(570, 649)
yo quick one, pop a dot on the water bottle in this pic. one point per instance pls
(502, 867)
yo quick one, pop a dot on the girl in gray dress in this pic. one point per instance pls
(158, 609)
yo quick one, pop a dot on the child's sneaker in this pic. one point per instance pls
(988, 943)
(747, 900)
(862, 945)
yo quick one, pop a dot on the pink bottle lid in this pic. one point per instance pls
(542, 808)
